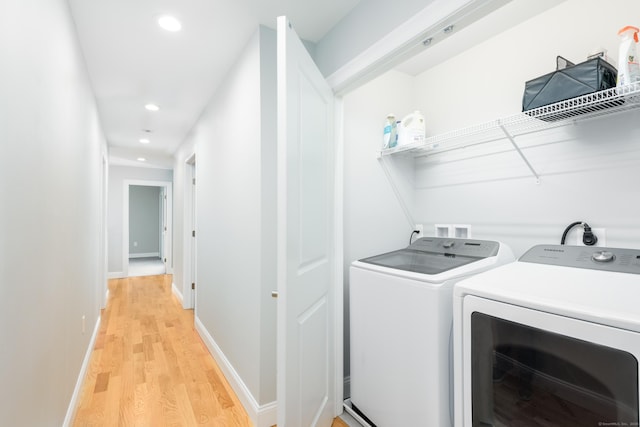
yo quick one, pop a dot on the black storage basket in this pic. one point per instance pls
(587, 77)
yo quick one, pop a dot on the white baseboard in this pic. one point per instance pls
(260, 415)
(71, 410)
(145, 255)
(116, 275)
(176, 292)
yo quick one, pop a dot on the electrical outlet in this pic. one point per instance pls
(462, 231)
(420, 229)
(135, 244)
(84, 324)
(600, 233)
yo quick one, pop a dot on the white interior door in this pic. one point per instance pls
(306, 234)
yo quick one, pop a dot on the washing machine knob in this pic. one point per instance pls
(448, 244)
(603, 256)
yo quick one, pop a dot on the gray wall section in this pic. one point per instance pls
(235, 213)
(50, 181)
(144, 220)
(268, 170)
(366, 24)
(117, 176)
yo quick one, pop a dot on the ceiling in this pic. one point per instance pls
(133, 62)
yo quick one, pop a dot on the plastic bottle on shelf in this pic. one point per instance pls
(390, 139)
(628, 67)
(411, 129)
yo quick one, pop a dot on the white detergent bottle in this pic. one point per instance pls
(628, 67)
(412, 129)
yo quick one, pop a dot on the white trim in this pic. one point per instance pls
(349, 410)
(103, 275)
(176, 292)
(189, 224)
(145, 255)
(71, 410)
(338, 289)
(260, 415)
(115, 275)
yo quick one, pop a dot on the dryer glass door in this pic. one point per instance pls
(527, 375)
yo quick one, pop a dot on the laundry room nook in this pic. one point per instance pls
(586, 170)
(487, 172)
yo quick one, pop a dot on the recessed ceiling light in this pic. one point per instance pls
(169, 23)
(152, 107)
(144, 141)
(142, 159)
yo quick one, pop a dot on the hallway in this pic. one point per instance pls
(149, 366)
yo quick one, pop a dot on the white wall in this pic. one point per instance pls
(235, 145)
(117, 177)
(144, 220)
(374, 221)
(50, 180)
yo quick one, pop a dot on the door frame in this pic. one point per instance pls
(189, 248)
(167, 185)
(103, 265)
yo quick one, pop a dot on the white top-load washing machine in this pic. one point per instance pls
(401, 328)
(553, 340)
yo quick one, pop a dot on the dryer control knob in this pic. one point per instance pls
(603, 256)
(448, 244)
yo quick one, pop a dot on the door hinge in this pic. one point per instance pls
(165, 260)
(165, 229)
(193, 233)
(165, 197)
(194, 181)
(193, 285)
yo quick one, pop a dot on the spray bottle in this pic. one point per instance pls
(628, 67)
(390, 138)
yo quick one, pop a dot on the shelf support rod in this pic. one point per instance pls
(396, 191)
(524, 158)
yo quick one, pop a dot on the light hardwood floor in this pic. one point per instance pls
(150, 368)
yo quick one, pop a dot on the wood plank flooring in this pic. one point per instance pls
(150, 368)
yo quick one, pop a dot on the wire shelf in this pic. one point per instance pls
(603, 103)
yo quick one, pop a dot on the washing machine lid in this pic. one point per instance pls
(434, 255)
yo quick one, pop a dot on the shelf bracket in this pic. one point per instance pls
(524, 158)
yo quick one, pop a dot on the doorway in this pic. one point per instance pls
(147, 228)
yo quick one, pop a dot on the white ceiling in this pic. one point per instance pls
(132, 61)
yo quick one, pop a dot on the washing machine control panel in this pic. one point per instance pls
(462, 247)
(607, 259)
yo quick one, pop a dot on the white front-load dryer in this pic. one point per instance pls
(550, 340)
(400, 311)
